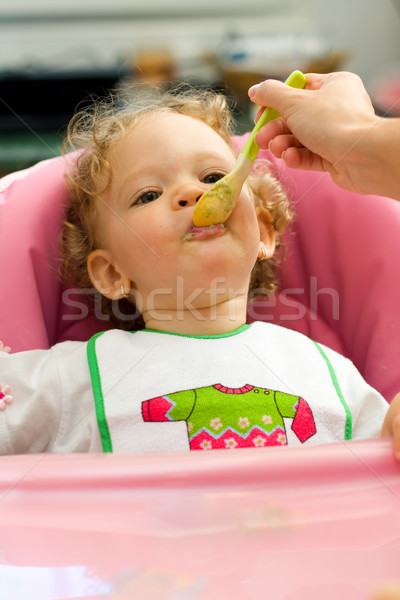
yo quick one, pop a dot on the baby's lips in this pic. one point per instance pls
(205, 231)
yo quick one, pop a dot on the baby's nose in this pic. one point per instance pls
(187, 194)
(187, 202)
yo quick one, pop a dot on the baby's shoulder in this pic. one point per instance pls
(298, 343)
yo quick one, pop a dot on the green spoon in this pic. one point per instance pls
(217, 204)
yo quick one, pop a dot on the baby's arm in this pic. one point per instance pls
(368, 408)
(371, 413)
(51, 407)
(391, 425)
(30, 419)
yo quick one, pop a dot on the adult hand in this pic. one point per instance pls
(389, 591)
(331, 126)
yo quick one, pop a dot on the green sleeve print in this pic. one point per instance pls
(286, 404)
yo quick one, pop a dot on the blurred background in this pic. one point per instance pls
(55, 54)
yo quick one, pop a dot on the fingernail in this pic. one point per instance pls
(253, 89)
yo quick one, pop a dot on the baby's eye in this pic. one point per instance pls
(147, 197)
(213, 177)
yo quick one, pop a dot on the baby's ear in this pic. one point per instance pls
(105, 274)
(267, 231)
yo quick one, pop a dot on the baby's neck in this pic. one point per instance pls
(217, 319)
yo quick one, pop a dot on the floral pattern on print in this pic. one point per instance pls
(4, 348)
(216, 423)
(230, 443)
(231, 439)
(267, 419)
(259, 441)
(281, 439)
(5, 396)
(243, 422)
(206, 445)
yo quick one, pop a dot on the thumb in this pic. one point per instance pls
(275, 94)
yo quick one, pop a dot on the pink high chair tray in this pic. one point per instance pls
(296, 524)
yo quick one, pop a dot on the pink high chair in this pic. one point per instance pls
(338, 282)
(290, 523)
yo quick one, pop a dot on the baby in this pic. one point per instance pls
(182, 370)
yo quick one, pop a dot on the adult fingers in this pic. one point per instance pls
(280, 143)
(388, 591)
(302, 158)
(270, 131)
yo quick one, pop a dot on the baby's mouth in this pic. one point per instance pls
(202, 233)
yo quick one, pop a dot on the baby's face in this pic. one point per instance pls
(159, 171)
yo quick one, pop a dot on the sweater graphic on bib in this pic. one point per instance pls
(220, 417)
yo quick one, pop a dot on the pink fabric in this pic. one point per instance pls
(339, 283)
(32, 311)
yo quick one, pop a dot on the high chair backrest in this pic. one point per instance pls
(338, 284)
(33, 311)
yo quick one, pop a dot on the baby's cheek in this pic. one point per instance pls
(155, 246)
(246, 209)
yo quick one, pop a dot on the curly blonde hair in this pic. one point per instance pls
(96, 130)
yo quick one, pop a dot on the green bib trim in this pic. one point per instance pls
(202, 337)
(348, 428)
(98, 394)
